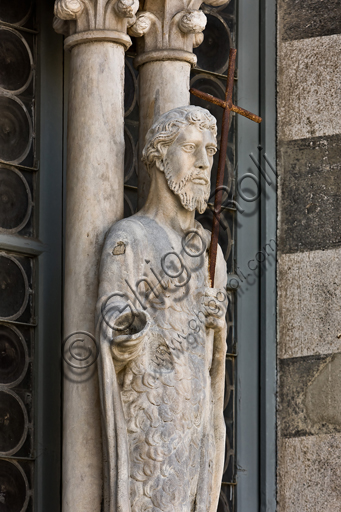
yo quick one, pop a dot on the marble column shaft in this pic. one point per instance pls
(94, 196)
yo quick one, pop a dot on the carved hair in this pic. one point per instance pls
(167, 127)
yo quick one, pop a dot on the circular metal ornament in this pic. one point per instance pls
(13, 414)
(14, 485)
(228, 390)
(211, 85)
(16, 62)
(223, 505)
(15, 12)
(13, 356)
(13, 271)
(15, 129)
(218, 7)
(129, 155)
(213, 53)
(130, 89)
(128, 207)
(10, 187)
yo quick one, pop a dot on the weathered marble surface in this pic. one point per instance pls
(162, 333)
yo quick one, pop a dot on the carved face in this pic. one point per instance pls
(188, 164)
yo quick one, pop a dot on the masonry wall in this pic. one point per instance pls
(309, 277)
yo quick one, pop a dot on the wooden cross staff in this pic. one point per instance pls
(227, 105)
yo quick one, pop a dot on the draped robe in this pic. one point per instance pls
(162, 376)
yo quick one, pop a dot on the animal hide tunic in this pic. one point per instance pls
(161, 370)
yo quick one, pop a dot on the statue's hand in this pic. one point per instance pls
(214, 305)
(129, 322)
(128, 335)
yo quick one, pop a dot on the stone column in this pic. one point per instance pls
(169, 29)
(96, 36)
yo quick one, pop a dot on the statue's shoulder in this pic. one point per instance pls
(124, 242)
(126, 230)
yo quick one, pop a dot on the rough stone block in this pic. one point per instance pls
(309, 395)
(309, 79)
(310, 194)
(309, 313)
(309, 474)
(311, 18)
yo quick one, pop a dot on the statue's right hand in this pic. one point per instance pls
(128, 338)
(129, 323)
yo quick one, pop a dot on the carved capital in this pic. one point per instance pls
(168, 26)
(75, 18)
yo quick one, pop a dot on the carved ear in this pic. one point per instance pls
(160, 164)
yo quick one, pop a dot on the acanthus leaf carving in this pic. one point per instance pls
(126, 8)
(175, 25)
(68, 9)
(76, 16)
(147, 22)
(192, 22)
(198, 39)
(60, 26)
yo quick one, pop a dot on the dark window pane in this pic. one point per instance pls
(13, 423)
(226, 8)
(15, 199)
(129, 155)
(15, 130)
(15, 61)
(13, 485)
(13, 355)
(14, 11)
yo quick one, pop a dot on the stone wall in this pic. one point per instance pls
(309, 277)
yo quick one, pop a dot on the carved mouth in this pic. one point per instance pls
(200, 181)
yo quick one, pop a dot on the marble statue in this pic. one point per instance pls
(162, 333)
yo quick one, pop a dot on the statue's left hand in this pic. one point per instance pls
(214, 305)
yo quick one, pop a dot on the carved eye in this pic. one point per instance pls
(211, 150)
(189, 148)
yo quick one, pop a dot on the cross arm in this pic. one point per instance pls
(224, 105)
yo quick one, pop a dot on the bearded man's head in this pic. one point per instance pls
(181, 143)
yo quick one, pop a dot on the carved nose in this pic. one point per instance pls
(203, 163)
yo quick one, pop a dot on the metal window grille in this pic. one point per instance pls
(18, 180)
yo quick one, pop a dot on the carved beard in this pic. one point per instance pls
(188, 198)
